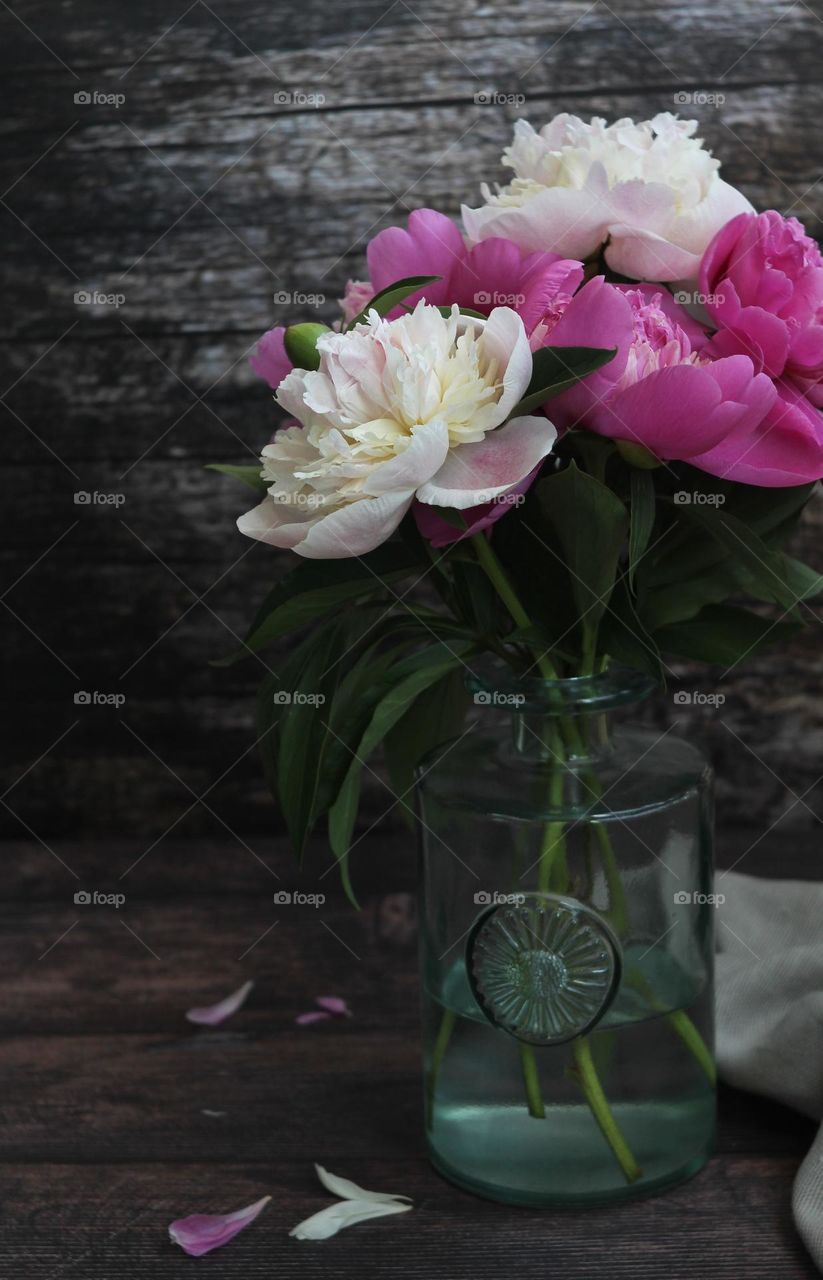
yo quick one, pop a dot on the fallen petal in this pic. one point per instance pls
(351, 1191)
(335, 1005)
(346, 1213)
(202, 1232)
(315, 1015)
(213, 1014)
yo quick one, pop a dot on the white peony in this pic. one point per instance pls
(398, 409)
(650, 190)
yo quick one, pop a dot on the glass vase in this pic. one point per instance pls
(566, 946)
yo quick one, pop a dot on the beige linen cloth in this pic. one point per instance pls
(770, 1012)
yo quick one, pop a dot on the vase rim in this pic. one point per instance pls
(495, 684)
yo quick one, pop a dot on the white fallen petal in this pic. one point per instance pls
(346, 1213)
(213, 1014)
(351, 1191)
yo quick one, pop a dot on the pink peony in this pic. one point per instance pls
(492, 274)
(762, 278)
(666, 392)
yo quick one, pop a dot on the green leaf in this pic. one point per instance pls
(624, 637)
(251, 475)
(723, 634)
(556, 368)
(768, 574)
(300, 341)
(316, 588)
(434, 718)
(387, 299)
(643, 511)
(433, 664)
(591, 524)
(303, 736)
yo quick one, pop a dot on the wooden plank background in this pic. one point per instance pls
(217, 183)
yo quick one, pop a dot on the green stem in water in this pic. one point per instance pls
(441, 1044)
(531, 1080)
(589, 1082)
(553, 835)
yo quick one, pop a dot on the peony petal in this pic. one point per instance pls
(335, 1005)
(643, 255)
(346, 1213)
(504, 340)
(785, 448)
(559, 219)
(314, 1015)
(424, 456)
(213, 1014)
(320, 535)
(202, 1232)
(269, 360)
(476, 473)
(351, 1191)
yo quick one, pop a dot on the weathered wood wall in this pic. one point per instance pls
(215, 183)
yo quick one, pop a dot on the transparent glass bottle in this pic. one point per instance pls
(566, 946)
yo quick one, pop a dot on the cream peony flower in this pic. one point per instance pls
(649, 189)
(398, 409)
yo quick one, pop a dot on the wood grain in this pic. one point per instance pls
(199, 198)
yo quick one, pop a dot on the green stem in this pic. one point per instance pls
(496, 574)
(593, 1090)
(554, 839)
(441, 1044)
(531, 1080)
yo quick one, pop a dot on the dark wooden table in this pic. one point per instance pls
(106, 1138)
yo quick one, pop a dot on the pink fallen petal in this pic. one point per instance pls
(213, 1014)
(316, 1015)
(335, 1005)
(202, 1232)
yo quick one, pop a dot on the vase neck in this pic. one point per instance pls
(569, 721)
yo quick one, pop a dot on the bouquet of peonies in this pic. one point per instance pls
(581, 430)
